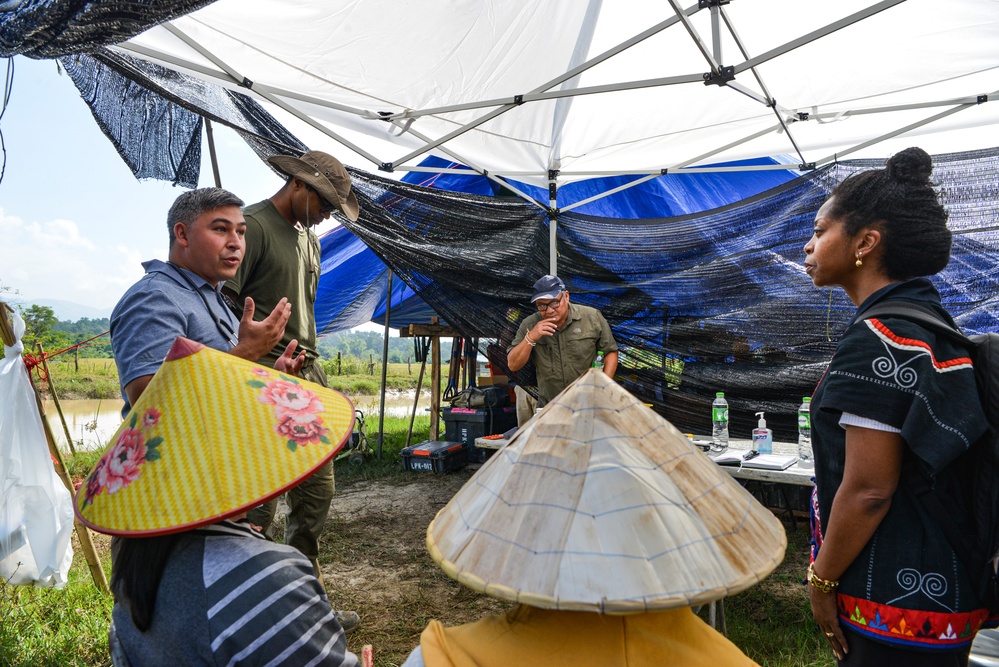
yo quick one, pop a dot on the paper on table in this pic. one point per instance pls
(770, 462)
(761, 461)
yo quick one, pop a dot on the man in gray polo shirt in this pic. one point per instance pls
(562, 338)
(182, 297)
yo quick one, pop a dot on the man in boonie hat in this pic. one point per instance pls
(282, 260)
(604, 524)
(562, 339)
(194, 584)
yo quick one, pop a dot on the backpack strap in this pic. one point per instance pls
(921, 315)
(963, 547)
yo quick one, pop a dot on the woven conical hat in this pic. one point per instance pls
(211, 436)
(598, 504)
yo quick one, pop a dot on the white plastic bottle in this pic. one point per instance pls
(719, 424)
(763, 438)
(805, 458)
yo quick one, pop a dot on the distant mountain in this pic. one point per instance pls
(66, 311)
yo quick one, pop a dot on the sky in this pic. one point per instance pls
(75, 224)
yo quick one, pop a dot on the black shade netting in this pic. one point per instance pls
(154, 115)
(717, 301)
(53, 28)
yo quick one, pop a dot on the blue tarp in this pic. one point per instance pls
(354, 280)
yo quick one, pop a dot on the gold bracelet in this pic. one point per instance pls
(820, 584)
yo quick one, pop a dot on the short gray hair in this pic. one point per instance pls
(190, 205)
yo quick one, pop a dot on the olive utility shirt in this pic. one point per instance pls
(280, 261)
(562, 358)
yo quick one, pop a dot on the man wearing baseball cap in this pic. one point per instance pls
(282, 259)
(562, 339)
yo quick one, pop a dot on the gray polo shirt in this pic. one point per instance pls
(158, 309)
(562, 358)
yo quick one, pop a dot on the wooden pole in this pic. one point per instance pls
(385, 348)
(416, 400)
(435, 384)
(55, 399)
(82, 532)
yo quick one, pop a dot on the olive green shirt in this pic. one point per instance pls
(562, 358)
(280, 261)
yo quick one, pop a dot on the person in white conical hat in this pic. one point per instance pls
(605, 525)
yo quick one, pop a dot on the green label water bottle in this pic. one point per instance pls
(719, 424)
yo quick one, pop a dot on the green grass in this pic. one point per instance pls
(48, 627)
(772, 622)
(98, 378)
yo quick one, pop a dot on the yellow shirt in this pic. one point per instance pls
(530, 636)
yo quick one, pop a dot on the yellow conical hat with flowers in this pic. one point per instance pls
(212, 435)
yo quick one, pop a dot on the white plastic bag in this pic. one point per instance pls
(36, 509)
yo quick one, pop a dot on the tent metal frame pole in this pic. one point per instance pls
(538, 97)
(483, 172)
(211, 153)
(620, 172)
(538, 93)
(835, 157)
(713, 64)
(542, 92)
(608, 193)
(540, 89)
(816, 34)
(385, 346)
(967, 100)
(768, 99)
(248, 84)
(553, 222)
(223, 78)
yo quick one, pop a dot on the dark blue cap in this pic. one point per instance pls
(547, 287)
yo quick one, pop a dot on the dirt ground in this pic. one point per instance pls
(375, 561)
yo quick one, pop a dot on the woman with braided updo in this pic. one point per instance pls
(896, 406)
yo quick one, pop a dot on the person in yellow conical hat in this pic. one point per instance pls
(194, 583)
(605, 525)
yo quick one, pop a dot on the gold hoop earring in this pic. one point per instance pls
(859, 262)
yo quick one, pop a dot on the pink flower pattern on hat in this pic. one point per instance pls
(122, 463)
(151, 417)
(290, 397)
(296, 409)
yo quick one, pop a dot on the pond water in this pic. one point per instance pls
(92, 423)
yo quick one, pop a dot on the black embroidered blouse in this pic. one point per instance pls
(906, 586)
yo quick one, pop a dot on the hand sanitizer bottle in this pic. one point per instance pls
(763, 438)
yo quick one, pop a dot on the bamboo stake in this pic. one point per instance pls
(55, 399)
(435, 382)
(86, 540)
(416, 400)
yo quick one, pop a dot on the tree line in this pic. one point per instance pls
(41, 325)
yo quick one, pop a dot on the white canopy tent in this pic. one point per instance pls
(551, 91)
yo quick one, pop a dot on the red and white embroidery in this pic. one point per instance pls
(903, 373)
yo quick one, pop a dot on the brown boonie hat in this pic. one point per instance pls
(325, 174)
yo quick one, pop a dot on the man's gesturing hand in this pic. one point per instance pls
(258, 338)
